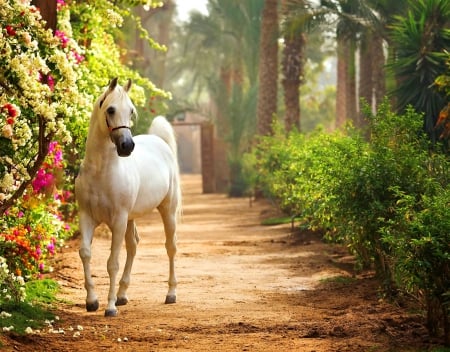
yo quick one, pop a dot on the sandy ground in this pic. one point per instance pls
(242, 287)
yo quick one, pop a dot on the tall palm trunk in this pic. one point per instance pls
(372, 86)
(268, 68)
(341, 83)
(346, 84)
(292, 66)
(379, 63)
(366, 72)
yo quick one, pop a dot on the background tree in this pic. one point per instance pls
(420, 39)
(293, 61)
(268, 68)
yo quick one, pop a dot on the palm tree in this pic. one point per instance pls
(292, 61)
(268, 67)
(420, 39)
(221, 54)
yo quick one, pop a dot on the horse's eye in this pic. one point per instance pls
(132, 112)
(111, 110)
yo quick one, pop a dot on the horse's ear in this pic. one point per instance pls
(128, 85)
(113, 83)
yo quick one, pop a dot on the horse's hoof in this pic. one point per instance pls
(170, 299)
(92, 307)
(111, 313)
(121, 301)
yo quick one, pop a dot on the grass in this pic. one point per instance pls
(278, 221)
(343, 280)
(41, 294)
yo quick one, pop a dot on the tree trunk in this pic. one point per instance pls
(366, 73)
(341, 84)
(163, 38)
(352, 113)
(48, 12)
(346, 84)
(268, 68)
(292, 66)
(379, 78)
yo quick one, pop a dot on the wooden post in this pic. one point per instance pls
(207, 150)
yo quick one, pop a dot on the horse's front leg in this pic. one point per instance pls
(131, 241)
(118, 234)
(87, 227)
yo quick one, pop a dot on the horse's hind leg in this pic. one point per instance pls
(131, 241)
(87, 227)
(169, 219)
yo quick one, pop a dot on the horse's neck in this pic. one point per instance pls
(99, 149)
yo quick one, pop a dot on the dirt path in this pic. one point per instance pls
(242, 287)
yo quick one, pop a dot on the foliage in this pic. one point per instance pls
(104, 58)
(220, 51)
(386, 199)
(34, 227)
(39, 96)
(28, 303)
(420, 39)
(303, 171)
(419, 240)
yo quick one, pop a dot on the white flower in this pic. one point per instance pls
(28, 330)
(7, 181)
(4, 314)
(20, 280)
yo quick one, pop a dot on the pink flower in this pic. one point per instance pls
(60, 4)
(62, 37)
(52, 146)
(51, 248)
(47, 79)
(51, 82)
(42, 181)
(78, 58)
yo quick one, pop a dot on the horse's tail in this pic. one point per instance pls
(163, 129)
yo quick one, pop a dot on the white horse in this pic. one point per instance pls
(122, 178)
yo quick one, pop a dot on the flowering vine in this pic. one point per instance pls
(38, 94)
(48, 82)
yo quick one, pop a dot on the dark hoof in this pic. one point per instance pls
(111, 313)
(92, 307)
(170, 299)
(121, 301)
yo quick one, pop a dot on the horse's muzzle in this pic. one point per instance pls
(125, 148)
(124, 143)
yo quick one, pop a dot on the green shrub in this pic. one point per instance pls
(419, 239)
(385, 197)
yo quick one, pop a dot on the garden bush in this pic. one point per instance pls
(386, 197)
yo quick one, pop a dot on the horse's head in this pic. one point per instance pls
(118, 110)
